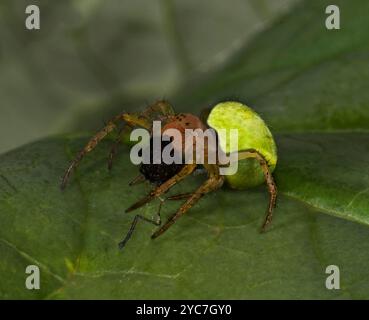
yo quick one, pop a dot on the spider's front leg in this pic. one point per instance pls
(185, 171)
(114, 148)
(215, 181)
(161, 107)
(156, 221)
(155, 111)
(137, 217)
(131, 119)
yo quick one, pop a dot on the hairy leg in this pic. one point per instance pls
(180, 196)
(139, 179)
(160, 107)
(114, 149)
(156, 222)
(214, 182)
(272, 188)
(186, 170)
(130, 119)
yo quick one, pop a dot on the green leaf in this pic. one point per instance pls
(215, 251)
(329, 172)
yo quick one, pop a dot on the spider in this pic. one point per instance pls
(256, 155)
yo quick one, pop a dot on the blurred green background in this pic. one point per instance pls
(92, 58)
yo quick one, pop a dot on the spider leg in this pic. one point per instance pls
(161, 106)
(140, 178)
(180, 196)
(130, 119)
(114, 148)
(185, 171)
(272, 188)
(214, 182)
(156, 222)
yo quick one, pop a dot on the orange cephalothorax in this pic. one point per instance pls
(181, 122)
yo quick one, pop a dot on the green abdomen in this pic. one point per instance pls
(253, 134)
